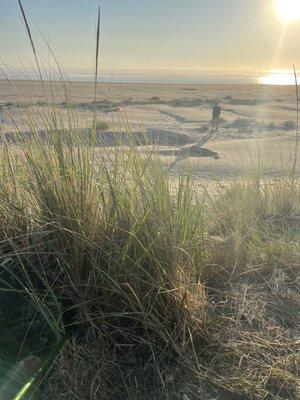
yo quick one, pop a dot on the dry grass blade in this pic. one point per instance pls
(32, 44)
(97, 59)
(297, 127)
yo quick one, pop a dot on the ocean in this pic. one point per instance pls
(180, 77)
(213, 77)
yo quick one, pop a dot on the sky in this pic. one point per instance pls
(152, 34)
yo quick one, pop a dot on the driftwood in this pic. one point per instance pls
(194, 150)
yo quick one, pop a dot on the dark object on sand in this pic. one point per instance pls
(195, 149)
(192, 150)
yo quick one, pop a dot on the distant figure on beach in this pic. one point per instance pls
(216, 112)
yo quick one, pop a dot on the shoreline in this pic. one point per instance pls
(146, 83)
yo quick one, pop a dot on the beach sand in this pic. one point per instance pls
(257, 120)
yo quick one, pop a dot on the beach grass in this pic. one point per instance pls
(145, 276)
(146, 284)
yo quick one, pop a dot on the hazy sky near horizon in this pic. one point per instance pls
(152, 34)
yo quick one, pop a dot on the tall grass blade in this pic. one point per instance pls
(297, 123)
(32, 44)
(97, 64)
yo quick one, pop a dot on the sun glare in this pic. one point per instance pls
(288, 10)
(278, 77)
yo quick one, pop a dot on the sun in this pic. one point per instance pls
(288, 10)
(277, 77)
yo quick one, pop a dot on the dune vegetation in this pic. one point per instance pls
(128, 282)
(145, 284)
